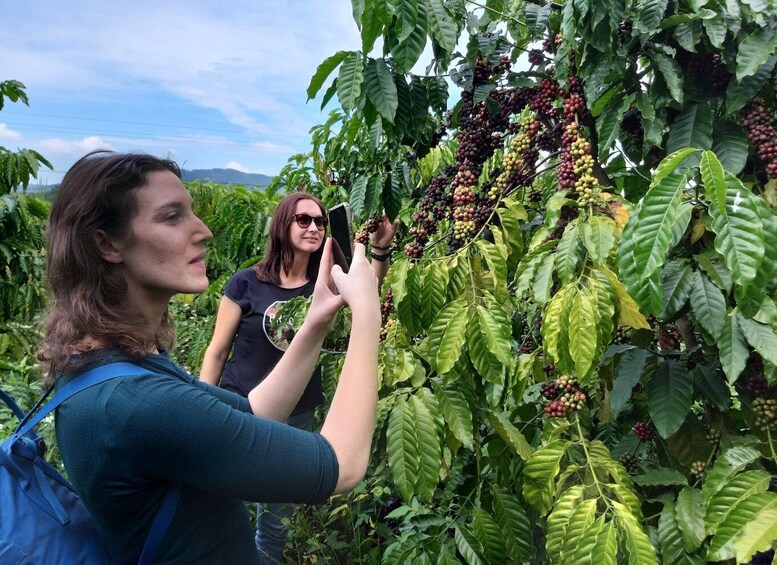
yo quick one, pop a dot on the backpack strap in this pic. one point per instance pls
(19, 413)
(159, 526)
(82, 382)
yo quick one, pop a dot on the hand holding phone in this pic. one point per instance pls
(342, 237)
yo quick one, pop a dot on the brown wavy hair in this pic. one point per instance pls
(86, 292)
(280, 254)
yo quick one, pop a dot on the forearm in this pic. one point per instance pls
(380, 268)
(212, 366)
(277, 395)
(350, 422)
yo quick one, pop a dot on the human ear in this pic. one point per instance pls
(107, 248)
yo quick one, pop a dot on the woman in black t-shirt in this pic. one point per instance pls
(249, 303)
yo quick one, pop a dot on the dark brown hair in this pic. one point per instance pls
(86, 292)
(280, 254)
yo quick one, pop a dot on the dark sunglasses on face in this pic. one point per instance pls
(303, 221)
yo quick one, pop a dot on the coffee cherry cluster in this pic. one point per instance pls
(433, 208)
(565, 398)
(622, 335)
(708, 67)
(629, 462)
(371, 225)
(765, 411)
(712, 435)
(762, 135)
(698, 468)
(387, 306)
(644, 431)
(758, 385)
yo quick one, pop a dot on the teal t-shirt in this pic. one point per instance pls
(125, 441)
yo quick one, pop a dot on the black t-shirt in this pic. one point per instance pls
(255, 351)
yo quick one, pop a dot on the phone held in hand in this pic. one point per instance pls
(340, 229)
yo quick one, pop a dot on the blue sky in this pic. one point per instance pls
(210, 84)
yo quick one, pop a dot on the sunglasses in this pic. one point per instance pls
(303, 221)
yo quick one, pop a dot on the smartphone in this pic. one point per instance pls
(340, 229)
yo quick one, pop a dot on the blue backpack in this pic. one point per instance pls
(42, 520)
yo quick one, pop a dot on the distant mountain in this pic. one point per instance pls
(226, 176)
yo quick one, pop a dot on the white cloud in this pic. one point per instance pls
(274, 148)
(9, 134)
(237, 167)
(72, 148)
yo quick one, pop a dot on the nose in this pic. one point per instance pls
(203, 231)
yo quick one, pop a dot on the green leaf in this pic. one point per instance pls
(468, 545)
(429, 450)
(350, 80)
(539, 473)
(737, 523)
(497, 266)
(381, 89)
(511, 435)
(496, 330)
(670, 163)
(730, 145)
(457, 414)
(441, 25)
(740, 93)
(598, 237)
(358, 195)
(636, 543)
(754, 50)
(691, 128)
(435, 285)
(484, 361)
(733, 491)
(556, 525)
(649, 15)
(761, 337)
(407, 51)
(569, 254)
(677, 280)
(488, 533)
(372, 25)
(583, 320)
(712, 264)
(542, 283)
(554, 323)
(514, 524)
(605, 547)
(323, 71)
(714, 179)
(690, 510)
(580, 519)
(670, 391)
(716, 30)
(407, 18)
(671, 73)
(728, 464)
(661, 476)
(627, 375)
(408, 300)
(759, 535)
(448, 335)
(402, 447)
(733, 348)
(708, 304)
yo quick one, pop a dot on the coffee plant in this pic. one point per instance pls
(579, 352)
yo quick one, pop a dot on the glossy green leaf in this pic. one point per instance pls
(429, 450)
(484, 361)
(358, 195)
(728, 464)
(540, 472)
(714, 179)
(448, 336)
(598, 237)
(542, 282)
(583, 321)
(497, 266)
(690, 509)
(409, 308)
(323, 71)
(635, 542)
(569, 254)
(649, 15)
(581, 517)
(736, 525)
(759, 535)
(754, 50)
(442, 25)
(732, 345)
(661, 476)
(435, 286)
(402, 448)
(708, 304)
(670, 392)
(670, 541)
(761, 336)
(671, 73)
(691, 128)
(669, 164)
(457, 414)
(487, 532)
(407, 51)
(468, 545)
(730, 145)
(381, 89)
(350, 81)
(511, 435)
(496, 329)
(627, 375)
(677, 280)
(733, 491)
(514, 524)
(407, 18)
(554, 327)
(372, 24)
(712, 264)
(741, 92)
(556, 525)
(716, 30)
